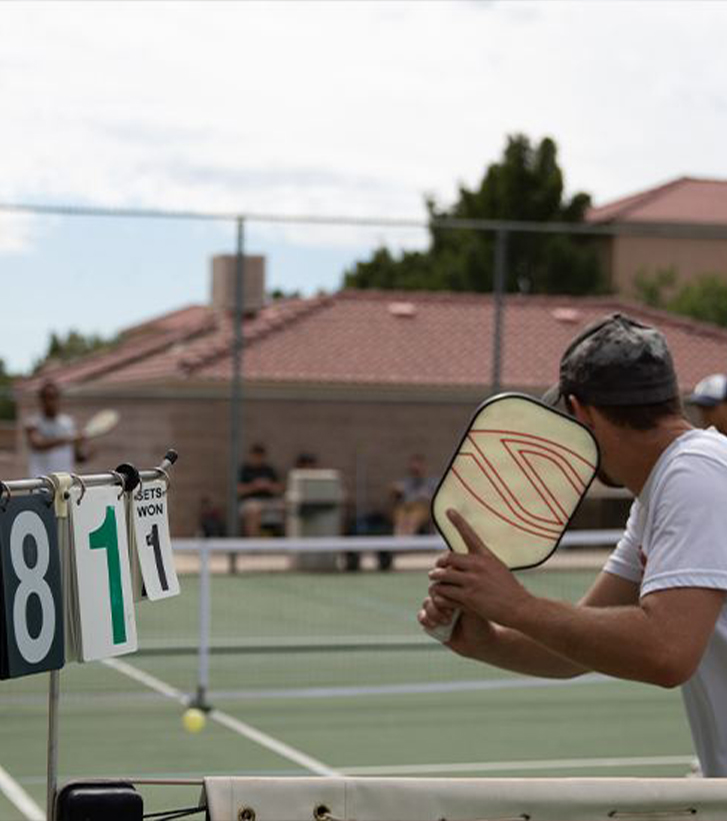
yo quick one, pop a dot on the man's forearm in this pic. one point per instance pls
(659, 637)
(618, 641)
(512, 650)
(42, 443)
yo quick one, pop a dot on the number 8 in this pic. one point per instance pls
(32, 581)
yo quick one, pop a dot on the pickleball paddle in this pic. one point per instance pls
(101, 423)
(517, 476)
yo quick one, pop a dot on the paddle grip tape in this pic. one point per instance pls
(444, 632)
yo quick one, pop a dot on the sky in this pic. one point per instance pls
(323, 108)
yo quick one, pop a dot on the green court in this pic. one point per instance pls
(330, 674)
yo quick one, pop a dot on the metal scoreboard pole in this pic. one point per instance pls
(54, 689)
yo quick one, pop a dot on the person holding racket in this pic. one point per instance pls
(54, 444)
(656, 613)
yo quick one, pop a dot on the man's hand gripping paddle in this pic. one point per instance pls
(517, 478)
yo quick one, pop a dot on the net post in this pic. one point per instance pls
(203, 654)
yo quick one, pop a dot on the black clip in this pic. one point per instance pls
(132, 480)
(5, 494)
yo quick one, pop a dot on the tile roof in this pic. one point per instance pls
(405, 339)
(685, 200)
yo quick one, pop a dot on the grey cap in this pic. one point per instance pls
(616, 361)
(711, 391)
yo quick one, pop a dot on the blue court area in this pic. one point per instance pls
(323, 673)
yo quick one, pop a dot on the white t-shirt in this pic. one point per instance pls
(56, 460)
(676, 536)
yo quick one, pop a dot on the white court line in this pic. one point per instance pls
(423, 688)
(17, 796)
(344, 691)
(502, 766)
(240, 727)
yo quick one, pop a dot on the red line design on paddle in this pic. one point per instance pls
(521, 448)
(503, 486)
(532, 436)
(537, 479)
(543, 533)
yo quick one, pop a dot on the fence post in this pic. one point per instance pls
(233, 518)
(498, 297)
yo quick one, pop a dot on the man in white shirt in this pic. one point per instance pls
(656, 613)
(53, 443)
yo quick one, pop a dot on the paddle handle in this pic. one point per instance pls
(444, 632)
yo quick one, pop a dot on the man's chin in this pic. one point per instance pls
(607, 480)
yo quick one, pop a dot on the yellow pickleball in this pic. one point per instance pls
(193, 720)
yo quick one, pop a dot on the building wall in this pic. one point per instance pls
(689, 257)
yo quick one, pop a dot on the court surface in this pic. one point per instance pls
(303, 693)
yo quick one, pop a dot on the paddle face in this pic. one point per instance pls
(101, 423)
(517, 476)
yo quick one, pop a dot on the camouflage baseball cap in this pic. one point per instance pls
(616, 361)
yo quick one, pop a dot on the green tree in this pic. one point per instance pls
(651, 288)
(279, 293)
(7, 404)
(71, 346)
(527, 184)
(705, 298)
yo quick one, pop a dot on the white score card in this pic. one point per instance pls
(101, 556)
(150, 532)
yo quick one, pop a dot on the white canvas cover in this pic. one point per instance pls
(466, 799)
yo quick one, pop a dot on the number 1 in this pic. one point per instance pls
(105, 538)
(152, 539)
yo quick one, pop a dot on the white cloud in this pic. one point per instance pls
(291, 106)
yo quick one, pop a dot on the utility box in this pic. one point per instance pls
(314, 507)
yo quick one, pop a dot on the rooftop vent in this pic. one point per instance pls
(402, 309)
(569, 316)
(224, 268)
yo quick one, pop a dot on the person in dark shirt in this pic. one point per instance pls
(259, 491)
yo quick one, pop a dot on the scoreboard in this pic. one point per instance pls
(72, 564)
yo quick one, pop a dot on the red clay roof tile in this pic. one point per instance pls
(685, 200)
(382, 337)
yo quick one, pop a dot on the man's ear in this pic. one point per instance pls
(581, 412)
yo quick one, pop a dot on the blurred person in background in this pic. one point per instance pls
(306, 461)
(710, 397)
(211, 522)
(412, 498)
(260, 492)
(54, 444)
